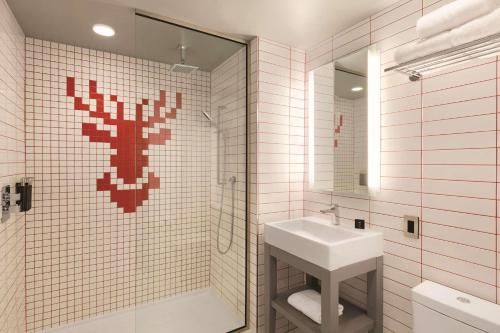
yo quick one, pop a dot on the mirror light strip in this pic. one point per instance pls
(373, 119)
(310, 128)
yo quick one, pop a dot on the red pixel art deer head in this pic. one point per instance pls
(129, 144)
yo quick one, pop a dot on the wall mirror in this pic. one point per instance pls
(339, 136)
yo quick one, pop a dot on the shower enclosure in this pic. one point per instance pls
(206, 248)
(138, 145)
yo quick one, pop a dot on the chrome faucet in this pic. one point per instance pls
(332, 210)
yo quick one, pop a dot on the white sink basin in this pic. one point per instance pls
(321, 243)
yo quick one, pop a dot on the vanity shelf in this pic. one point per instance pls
(327, 282)
(353, 319)
(483, 47)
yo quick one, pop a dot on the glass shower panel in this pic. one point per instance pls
(191, 232)
(137, 142)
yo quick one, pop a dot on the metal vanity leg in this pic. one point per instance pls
(270, 287)
(329, 303)
(375, 300)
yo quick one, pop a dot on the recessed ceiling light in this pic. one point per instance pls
(103, 30)
(356, 89)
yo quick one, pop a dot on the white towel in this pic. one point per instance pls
(453, 15)
(479, 28)
(424, 47)
(476, 29)
(309, 303)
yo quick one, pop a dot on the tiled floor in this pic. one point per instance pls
(200, 311)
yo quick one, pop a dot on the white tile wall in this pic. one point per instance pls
(439, 162)
(84, 255)
(228, 89)
(277, 156)
(12, 168)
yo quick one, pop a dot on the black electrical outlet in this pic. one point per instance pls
(359, 224)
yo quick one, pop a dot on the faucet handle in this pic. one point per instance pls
(330, 210)
(333, 210)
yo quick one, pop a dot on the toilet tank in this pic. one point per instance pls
(439, 309)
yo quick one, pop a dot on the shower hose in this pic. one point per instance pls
(232, 180)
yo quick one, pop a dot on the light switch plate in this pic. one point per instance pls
(411, 226)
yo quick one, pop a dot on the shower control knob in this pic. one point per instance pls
(6, 197)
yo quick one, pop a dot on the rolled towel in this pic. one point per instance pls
(421, 48)
(481, 27)
(309, 303)
(453, 15)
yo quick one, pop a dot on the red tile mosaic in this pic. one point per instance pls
(129, 142)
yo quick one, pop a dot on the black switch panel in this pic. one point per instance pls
(359, 224)
(411, 226)
(24, 189)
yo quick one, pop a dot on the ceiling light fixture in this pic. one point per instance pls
(356, 89)
(103, 30)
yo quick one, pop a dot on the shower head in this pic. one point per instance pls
(182, 67)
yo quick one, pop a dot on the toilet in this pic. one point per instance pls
(439, 309)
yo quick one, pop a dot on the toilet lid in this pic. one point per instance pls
(469, 309)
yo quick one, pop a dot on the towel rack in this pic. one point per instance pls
(416, 68)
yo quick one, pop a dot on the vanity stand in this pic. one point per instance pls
(353, 319)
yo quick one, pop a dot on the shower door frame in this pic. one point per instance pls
(246, 44)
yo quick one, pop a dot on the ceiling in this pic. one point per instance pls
(71, 21)
(298, 23)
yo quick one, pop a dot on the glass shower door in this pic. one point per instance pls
(191, 231)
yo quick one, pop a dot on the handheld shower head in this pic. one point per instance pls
(212, 122)
(207, 116)
(210, 119)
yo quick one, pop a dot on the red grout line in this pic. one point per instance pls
(435, 149)
(401, 257)
(496, 182)
(25, 225)
(464, 276)
(440, 74)
(430, 135)
(443, 225)
(386, 11)
(439, 164)
(461, 244)
(399, 295)
(338, 47)
(460, 228)
(460, 117)
(398, 282)
(461, 259)
(401, 270)
(442, 194)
